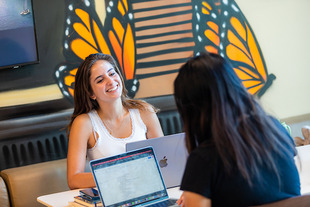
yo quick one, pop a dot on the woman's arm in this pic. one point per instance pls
(195, 200)
(151, 121)
(80, 133)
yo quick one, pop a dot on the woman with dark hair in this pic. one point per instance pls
(104, 118)
(239, 155)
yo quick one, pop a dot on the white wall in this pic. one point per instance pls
(282, 28)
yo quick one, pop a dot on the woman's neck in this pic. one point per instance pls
(115, 116)
(112, 110)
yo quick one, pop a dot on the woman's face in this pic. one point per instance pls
(105, 82)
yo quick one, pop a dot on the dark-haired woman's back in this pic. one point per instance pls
(205, 175)
(239, 155)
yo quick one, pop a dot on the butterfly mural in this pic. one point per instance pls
(151, 39)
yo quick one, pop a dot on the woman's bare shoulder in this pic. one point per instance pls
(82, 118)
(147, 112)
(82, 121)
(151, 122)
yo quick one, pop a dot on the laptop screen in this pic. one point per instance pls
(129, 179)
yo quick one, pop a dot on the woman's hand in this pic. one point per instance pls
(180, 202)
(190, 199)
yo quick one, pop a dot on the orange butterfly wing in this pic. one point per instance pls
(244, 52)
(226, 32)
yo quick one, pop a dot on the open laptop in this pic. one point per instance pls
(171, 154)
(130, 179)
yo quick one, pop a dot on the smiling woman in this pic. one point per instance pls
(101, 109)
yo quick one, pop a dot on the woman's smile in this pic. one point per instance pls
(112, 89)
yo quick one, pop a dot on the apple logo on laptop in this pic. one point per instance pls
(163, 162)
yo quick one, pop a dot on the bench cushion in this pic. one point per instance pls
(27, 183)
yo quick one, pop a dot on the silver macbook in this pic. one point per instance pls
(171, 154)
(130, 179)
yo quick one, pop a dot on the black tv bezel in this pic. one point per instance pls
(18, 65)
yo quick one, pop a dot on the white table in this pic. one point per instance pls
(63, 198)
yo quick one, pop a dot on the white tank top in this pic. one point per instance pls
(107, 145)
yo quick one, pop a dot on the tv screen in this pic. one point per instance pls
(18, 44)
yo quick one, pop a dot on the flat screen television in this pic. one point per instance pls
(18, 44)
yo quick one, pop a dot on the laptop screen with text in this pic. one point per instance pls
(130, 178)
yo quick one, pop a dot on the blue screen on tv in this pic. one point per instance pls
(18, 44)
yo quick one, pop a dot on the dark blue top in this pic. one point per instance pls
(205, 175)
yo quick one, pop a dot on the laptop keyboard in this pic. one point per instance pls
(170, 202)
